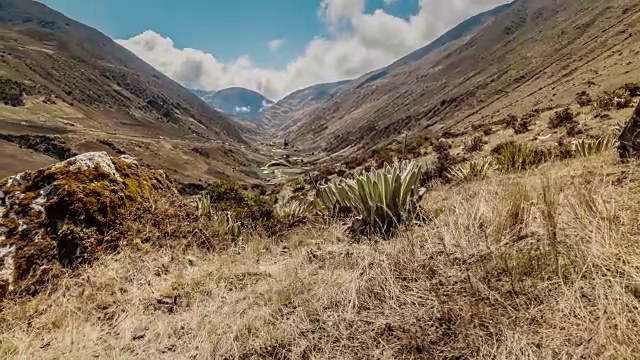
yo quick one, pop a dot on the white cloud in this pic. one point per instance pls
(360, 42)
(242, 109)
(275, 44)
(265, 105)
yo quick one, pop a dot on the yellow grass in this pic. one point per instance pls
(541, 265)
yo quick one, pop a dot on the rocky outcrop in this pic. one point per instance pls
(63, 215)
(629, 138)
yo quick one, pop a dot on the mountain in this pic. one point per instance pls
(507, 63)
(241, 102)
(283, 113)
(289, 111)
(66, 85)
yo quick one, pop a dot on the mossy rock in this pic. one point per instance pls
(61, 216)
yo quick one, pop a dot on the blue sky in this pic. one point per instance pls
(215, 44)
(225, 28)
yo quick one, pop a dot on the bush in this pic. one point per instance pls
(381, 198)
(216, 224)
(590, 147)
(382, 156)
(472, 170)
(510, 121)
(562, 151)
(243, 206)
(297, 184)
(444, 161)
(583, 99)
(561, 118)
(475, 144)
(291, 213)
(355, 161)
(519, 125)
(633, 89)
(12, 92)
(511, 156)
(617, 99)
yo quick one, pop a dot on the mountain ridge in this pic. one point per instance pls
(290, 110)
(67, 86)
(466, 80)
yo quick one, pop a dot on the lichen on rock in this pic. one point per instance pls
(57, 217)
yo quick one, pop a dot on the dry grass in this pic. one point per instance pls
(537, 266)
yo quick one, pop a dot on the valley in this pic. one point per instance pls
(476, 198)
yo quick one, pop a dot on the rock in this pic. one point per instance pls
(63, 215)
(628, 140)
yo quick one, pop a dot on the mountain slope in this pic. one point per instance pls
(289, 111)
(241, 102)
(68, 80)
(533, 45)
(283, 113)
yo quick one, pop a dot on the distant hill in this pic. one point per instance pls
(241, 102)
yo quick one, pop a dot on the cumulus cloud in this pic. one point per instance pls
(275, 44)
(359, 42)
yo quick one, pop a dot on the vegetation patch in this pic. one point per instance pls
(12, 92)
(65, 215)
(562, 118)
(245, 207)
(583, 99)
(475, 144)
(619, 98)
(512, 156)
(472, 170)
(382, 199)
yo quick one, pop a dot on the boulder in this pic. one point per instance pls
(629, 138)
(63, 215)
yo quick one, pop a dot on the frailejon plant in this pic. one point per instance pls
(513, 157)
(590, 147)
(472, 170)
(381, 198)
(291, 213)
(217, 223)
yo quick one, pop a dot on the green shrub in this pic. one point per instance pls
(243, 206)
(381, 198)
(511, 156)
(297, 184)
(215, 223)
(472, 170)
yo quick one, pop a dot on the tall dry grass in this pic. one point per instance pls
(537, 266)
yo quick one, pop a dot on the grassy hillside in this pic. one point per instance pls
(530, 265)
